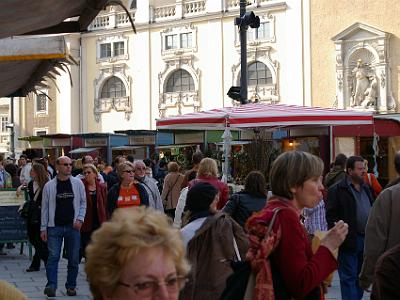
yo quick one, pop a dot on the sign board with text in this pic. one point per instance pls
(96, 142)
(12, 226)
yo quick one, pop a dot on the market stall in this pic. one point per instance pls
(270, 117)
(141, 143)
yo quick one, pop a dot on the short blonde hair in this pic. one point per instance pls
(291, 169)
(208, 167)
(124, 166)
(91, 167)
(130, 231)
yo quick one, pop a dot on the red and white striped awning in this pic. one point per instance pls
(265, 115)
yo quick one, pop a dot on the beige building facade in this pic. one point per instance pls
(54, 109)
(355, 64)
(355, 54)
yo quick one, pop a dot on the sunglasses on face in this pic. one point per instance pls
(67, 165)
(128, 171)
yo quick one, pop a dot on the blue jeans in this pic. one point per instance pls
(55, 237)
(349, 268)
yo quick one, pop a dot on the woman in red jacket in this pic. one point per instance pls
(297, 273)
(208, 172)
(96, 199)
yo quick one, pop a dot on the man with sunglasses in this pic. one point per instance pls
(149, 184)
(63, 212)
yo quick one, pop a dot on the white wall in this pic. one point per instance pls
(215, 57)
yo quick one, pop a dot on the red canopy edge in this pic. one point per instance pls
(266, 115)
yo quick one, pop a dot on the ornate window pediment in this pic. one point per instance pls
(178, 40)
(112, 48)
(263, 35)
(263, 75)
(362, 69)
(179, 86)
(112, 90)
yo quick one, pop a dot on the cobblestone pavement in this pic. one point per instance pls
(12, 269)
(13, 265)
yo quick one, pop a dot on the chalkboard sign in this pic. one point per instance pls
(12, 226)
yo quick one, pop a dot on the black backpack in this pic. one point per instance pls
(236, 283)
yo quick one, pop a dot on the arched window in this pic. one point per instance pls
(180, 81)
(113, 88)
(258, 74)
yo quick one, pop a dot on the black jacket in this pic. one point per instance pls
(113, 195)
(242, 205)
(341, 205)
(111, 179)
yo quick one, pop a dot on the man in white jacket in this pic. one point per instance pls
(149, 184)
(63, 213)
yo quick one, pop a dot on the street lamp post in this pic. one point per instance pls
(246, 19)
(243, 54)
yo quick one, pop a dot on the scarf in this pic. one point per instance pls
(262, 243)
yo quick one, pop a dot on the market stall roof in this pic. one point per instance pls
(265, 115)
(176, 146)
(57, 135)
(82, 150)
(25, 63)
(47, 16)
(393, 117)
(32, 138)
(121, 148)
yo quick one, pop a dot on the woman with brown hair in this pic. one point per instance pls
(297, 272)
(39, 177)
(171, 188)
(253, 198)
(96, 203)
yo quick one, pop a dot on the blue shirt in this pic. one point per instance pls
(363, 206)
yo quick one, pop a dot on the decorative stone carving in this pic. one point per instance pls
(180, 49)
(339, 79)
(364, 87)
(105, 105)
(362, 59)
(268, 93)
(383, 79)
(178, 103)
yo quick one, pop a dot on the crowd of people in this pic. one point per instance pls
(148, 230)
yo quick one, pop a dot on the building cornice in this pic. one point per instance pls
(210, 16)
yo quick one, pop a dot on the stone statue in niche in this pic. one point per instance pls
(371, 93)
(364, 87)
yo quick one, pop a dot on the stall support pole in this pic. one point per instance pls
(331, 145)
(12, 129)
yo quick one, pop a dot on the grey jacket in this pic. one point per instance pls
(49, 202)
(152, 190)
(382, 231)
